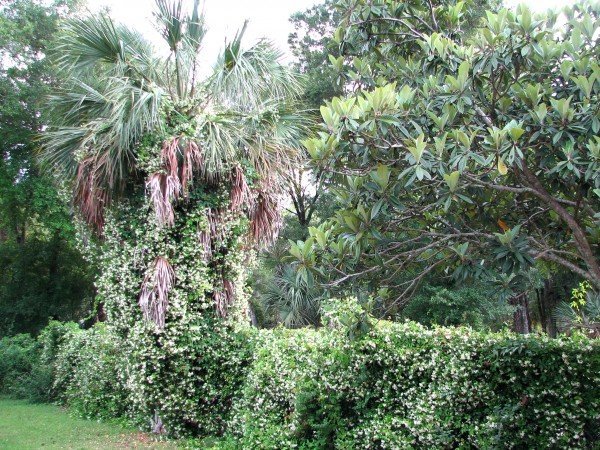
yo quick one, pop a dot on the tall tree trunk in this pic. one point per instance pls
(521, 317)
(547, 300)
(252, 314)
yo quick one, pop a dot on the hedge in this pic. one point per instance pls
(405, 386)
(354, 384)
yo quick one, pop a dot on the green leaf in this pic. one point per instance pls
(463, 74)
(328, 117)
(514, 130)
(376, 208)
(452, 180)
(418, 148)
(381, 176)
(502, 168)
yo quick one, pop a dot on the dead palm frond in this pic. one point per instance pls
(154, 296)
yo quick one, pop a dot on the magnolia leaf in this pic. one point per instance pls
(440, 144)
(321, 238)
(516, 133)
(337, 63)
(514, 129)
(418, 148)
(464, 139)
(463, 73)
(381, 176)
(312, 147)
(452, 180)
(502, 167)
(328, 116)
(541, 112)
(376, 208)
(352, 222)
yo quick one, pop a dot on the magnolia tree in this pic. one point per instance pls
(179, 174)
(459, 152)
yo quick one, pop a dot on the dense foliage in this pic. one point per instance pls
(313, 46)
(403, 386)
(459, 154)
(463, 157)
(469, 305)
(392, 385)
(184, 371)
(42, 274)
(27, 364)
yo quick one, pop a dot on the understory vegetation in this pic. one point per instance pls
(391, 243)
(392, 385)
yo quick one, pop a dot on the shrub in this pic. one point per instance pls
(90, 373)
(358, 383)
(188, 375)
(18, 355)
(27, 363)
(405, 386)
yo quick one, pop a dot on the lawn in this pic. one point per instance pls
(33, 426)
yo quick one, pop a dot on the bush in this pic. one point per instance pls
(405, 386)
(90, 372)
(27, 363)
(358, 383)
(18, 355)
(188, 375)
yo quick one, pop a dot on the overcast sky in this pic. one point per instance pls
(268, 18)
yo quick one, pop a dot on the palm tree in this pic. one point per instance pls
(134, 121)
(295, 303)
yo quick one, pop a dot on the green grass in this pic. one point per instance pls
(26, 426)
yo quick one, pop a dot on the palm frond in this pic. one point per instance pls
(272, 138)
(103, 124)
(566, 317)
(90, 193)
(59, 154)
(222, 139)
(296, 304)
(240, 194)
(183, 32)
(592, 306)
(265, 216)
(87, 43)
(243, 79)
(170, 17)
(196, 30)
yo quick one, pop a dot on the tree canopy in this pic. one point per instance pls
(467, 154)
(42, 272)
